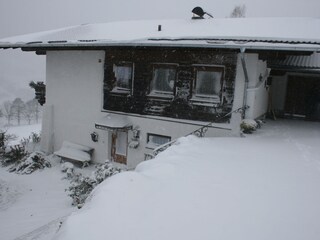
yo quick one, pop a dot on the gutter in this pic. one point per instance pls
(246, 77)
(52, 45)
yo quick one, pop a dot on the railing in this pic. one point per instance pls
(200, 132)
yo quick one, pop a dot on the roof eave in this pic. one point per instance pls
(190, 44)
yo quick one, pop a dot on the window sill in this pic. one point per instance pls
(118, 90)
(165, 96)
(151, 146)
(205, 100)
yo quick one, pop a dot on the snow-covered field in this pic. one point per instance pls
(263, 186)
(22, 131)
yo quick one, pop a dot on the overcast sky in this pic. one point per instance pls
(17, 68)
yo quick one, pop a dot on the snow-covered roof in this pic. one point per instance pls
(256, 33)
(113, 121)
(307, 62)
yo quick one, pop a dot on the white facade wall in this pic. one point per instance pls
(74, 104)
(166, 128)
(256, 92)
(73, 99)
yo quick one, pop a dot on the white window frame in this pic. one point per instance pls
(119, 89)
(151, 144)
(160, 93)
(210, 100)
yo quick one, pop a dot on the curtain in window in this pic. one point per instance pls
(163, 79)
(123, 76)
(158, 140)
(208, 83)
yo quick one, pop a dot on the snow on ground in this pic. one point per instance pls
(32, 206)
(22, 131)
(264, 186)
(28, 202)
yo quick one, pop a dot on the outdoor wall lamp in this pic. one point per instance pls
(136, 133)
(94, 136)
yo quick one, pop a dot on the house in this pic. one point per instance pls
(125, 88)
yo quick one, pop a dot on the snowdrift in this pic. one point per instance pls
(220, 188)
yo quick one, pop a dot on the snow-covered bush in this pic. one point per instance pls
(31, 143)
(13, 155)
(35, 137)
(31, 163)
(81, 186)
(68, 168)
(248, 125)
(104, 171)
(7, 138)
(80, 189)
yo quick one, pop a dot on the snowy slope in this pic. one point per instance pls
(264, 186)
(28, 202)
(32, 206)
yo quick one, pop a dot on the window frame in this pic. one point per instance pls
(121, 90)
(154, 145)
(159, 93)
(207, 99)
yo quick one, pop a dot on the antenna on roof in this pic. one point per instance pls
(198, 13)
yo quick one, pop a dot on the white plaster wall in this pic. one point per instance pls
(257, 93)
(166, 128)
(236, 117)
(239, 86)
(74, 94)
(74, 102)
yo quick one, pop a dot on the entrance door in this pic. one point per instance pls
(119, 147)
(302, 98)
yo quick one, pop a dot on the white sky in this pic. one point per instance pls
(21, 16)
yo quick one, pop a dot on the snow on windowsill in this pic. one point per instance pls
(161, 94)
(205, 100)
(151, 145)
(120, 90)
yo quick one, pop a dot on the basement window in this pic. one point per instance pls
(163, 81)
(155, 140)
(123, 73)
(207, 85)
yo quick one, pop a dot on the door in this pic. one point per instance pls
(119, 147)
(303, 97)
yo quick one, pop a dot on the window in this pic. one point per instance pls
(123, 73)
(163, 81)
(155, 140)
(207, 85)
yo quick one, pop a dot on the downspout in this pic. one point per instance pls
(246, 77)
